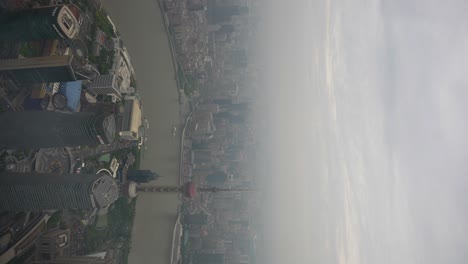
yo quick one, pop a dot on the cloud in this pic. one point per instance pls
(375, 130)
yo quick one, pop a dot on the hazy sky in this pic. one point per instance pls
(367, 135)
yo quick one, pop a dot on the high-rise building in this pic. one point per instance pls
(69, 67)
(106, 85)
(218, 13)
(46, 23)
(78, 260)
(46, 191)
(47, 129)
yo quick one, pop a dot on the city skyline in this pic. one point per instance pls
(253, 131)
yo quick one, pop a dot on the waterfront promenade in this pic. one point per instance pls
(178, 228)
(142, 28)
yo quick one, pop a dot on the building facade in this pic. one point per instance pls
(53, 244)
(47, 191)
(77, 260)
(41, 69)
(47, 129)
(46, 23)
(106, 257)
(67, 67)
(106, 85)
(132, 119)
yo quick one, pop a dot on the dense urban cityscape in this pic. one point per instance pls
(74, 133)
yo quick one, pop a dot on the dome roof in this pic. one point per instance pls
(132, 189)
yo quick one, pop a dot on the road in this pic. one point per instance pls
(87, 152)
(178, 229)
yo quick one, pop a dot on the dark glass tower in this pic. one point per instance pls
(46, 23)
(47, 129)
(36, 191)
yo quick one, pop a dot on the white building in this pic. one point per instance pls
(106, 85)
(122, 67)
(132, 119)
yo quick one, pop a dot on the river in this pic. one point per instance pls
(142, 29)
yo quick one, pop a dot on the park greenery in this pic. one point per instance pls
(118, 231)
(28, 49)
(104, 61)
(54, 220)
(186, 82)
(103, 23)
(137, 153)
(105, 58)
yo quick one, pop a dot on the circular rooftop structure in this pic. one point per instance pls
(105, 191)
(109, 127)
(54, 160)
(80, 53)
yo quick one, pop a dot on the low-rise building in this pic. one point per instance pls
(122, 67)
(106, 85)
(53, 244)
(132, 119)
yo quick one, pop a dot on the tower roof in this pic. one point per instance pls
(105, 191)
(190, 190)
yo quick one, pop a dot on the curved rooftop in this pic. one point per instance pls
(109, 127)
(105, 191)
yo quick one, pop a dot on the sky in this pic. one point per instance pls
(365, 131)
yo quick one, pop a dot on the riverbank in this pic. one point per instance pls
(179, 77)
(141, 25)
(180, 88)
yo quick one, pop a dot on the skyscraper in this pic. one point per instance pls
(47, 129)
(46, 23)
(90, 259)
(44, 191)
(76, 260)
(61, 68)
